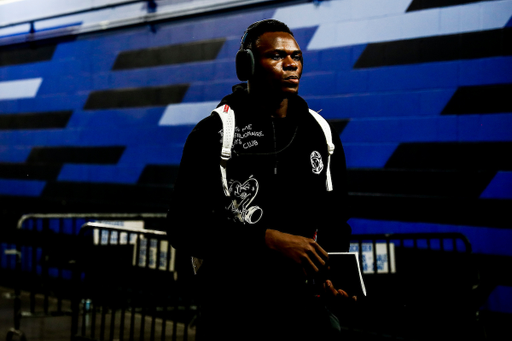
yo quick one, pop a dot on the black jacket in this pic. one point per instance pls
(276, 185)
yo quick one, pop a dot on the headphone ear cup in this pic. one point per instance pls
(244, 64)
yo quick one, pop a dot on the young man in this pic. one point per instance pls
(282, 191)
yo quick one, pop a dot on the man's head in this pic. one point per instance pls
(255, 30)
(270, 58)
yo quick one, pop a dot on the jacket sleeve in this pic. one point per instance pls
(334, 235)
(197, 222)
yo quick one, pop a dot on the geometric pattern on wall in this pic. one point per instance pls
(482, 99)
(417, 5)
(27, 53)
(168, 55)
(38, 120)
(472, 45)
(89, 131)
(139, 97)
(109, 91)
(421, 103)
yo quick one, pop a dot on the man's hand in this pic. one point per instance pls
(302, 250)
(332, 293)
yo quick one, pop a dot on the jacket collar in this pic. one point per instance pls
(241, 102)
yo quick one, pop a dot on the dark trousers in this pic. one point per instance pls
(298, 320)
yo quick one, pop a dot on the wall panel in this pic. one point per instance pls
(418, 90)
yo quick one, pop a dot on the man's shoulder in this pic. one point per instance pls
(210, 122)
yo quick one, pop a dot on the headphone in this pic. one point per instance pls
(244, 59)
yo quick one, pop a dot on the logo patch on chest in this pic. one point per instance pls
(316, 162)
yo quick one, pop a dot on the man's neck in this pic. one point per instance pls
(276, 105)
(279, 109)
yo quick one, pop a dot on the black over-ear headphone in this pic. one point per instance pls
(244, 60)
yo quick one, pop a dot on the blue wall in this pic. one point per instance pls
(420, 95)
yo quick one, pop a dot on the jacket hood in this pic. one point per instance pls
(240, 101)
(238, 98)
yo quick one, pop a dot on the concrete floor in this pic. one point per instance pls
(55, 328)
(58, 328)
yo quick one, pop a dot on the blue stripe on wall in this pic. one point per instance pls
(209, 91)
(118, 118)
(49, 103)
(103, 136)
(438, 129)
(500, 187)
(440, 75)
(154, 154)
(332, 59)
(368, 155)
(396, 104)
(129, 168)
(484, 240)
(30, 188)
(101, 173)
(14, 154)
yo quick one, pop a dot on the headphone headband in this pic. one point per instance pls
(242, 40)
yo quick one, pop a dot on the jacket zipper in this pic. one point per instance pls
(275, 147)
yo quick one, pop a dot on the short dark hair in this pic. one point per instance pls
(255, 30)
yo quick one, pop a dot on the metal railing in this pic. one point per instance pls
(419, 286)
(45, 255)
(377, 251)
(108, 299)
(125, 295)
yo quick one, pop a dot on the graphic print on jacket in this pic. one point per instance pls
(316, 162)
(242, 196)
(245, 137)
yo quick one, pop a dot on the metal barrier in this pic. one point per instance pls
(45, 255)
(377, 251)
(420, 286)
(407, 277)
(126, 287)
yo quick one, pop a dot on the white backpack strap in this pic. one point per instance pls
(330, 146)
(227, 115)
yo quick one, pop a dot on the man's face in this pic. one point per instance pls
(278, 60)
